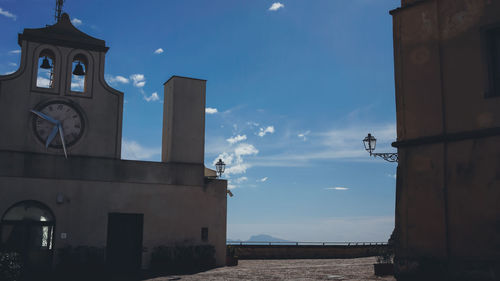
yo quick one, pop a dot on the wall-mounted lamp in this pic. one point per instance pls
(220, 167)
(370, 142)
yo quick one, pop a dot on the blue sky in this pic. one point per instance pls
(292, 89)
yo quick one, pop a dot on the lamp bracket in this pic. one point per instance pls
(390, 157)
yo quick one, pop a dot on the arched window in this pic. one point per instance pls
(79, 74)
(27, 226)
(45, 74)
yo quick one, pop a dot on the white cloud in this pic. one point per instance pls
(132, 150)
(15, 52)
(7, 14)
(231, 186)
(8, 72)
(154, 97)
(245, 149)
(392, 176)
(337, 188)
(138, 80)
(264, 131)
(116, 79)
(42, 82)
(235, 163)
(77, 83)
(210, 110)
(76, 22)
(12, 64)
(303, 135)
(263, 179)
(276, 6)
(158, 51)
(236, 139)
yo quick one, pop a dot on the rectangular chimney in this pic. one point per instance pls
(183, 138)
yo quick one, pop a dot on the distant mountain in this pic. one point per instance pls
(265, 238)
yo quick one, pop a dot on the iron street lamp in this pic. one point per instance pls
(370, 142)
(220, 167)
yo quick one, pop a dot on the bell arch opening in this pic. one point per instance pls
(79, 66)
(45, 69)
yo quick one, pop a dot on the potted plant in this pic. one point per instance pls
(231, 257)
(384, 265)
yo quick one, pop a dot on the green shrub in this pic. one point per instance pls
(84, 260)
(10, 266)
(180, 258)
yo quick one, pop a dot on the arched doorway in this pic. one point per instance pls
(27, 228)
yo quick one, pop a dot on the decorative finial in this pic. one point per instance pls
(59, 5)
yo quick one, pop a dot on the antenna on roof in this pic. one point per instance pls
(59, 5)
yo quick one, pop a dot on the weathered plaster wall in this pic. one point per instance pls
(448, 186)
(173, 213)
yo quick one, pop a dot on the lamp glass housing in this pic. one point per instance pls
(370, 142)
(220, 167)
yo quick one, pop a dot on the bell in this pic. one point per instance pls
(78, 70)
(45, 64)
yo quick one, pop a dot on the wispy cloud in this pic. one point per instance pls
(263, 179)
(337, 188)
(241, 179)
(12, 64)
(158, 51)
(303, 135)
(153, 97)
(343, 143)
(15, 52)
(7, 14)
(76, 22)
(264, 131)
(236, 139)
(138, 80)
(116, 79)
(132, 150)
(210, 110)
(276, 6)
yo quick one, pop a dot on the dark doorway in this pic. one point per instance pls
(124, 245)
(27, 228)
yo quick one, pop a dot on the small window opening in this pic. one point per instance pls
(79, 74)
(204, 234)
(45, 75)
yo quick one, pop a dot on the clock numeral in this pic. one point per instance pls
(50, 108)
(75, 116)
(59, 107)
(77, 126)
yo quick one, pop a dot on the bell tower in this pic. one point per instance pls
(58, 102)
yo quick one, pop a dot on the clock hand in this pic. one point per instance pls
(62, 139)
(51, 136)
(44, 116)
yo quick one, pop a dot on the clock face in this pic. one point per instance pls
(71, 120)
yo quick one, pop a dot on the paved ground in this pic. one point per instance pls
(332, 269)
